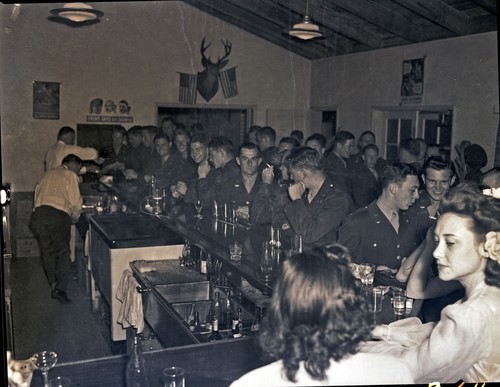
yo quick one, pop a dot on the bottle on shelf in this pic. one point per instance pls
(203, 262)
(135, 374)
(257, 319)
(216, 308)
(237, 324)
(227, 311)
(216, 318)
(197, 325)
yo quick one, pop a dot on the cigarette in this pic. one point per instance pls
(269, 166)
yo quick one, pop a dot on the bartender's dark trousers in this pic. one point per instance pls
(53, 230)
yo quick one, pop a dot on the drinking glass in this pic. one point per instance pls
(367, 273)
(44, 361)
(174, 377)
(199, 206)
(235, 250)
(398, 301)
(376, 300)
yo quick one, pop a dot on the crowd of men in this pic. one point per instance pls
(315, 187)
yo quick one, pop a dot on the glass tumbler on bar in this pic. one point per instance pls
(376, 300)
(157, 200)
(174, 377)
(399, 301)
(367, 273)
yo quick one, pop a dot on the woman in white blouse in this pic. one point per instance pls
(464, 344)
(313, 328)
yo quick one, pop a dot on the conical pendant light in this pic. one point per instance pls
(305, 30)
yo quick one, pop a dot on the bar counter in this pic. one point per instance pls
(206, 364)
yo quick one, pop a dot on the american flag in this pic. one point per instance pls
(187, 88)
(228, 82)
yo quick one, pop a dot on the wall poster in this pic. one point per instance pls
(46, 100)
(412, 86)
(109, 111)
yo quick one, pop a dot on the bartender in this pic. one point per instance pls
(58, 204)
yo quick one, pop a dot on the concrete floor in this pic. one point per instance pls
(42, 323)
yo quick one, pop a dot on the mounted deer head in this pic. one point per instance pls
(208, 79)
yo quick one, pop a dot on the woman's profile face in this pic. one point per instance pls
(457, 252)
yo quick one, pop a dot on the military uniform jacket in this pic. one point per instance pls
(169, 173)
(209, 188)
(419, 210)
(318, 221)
(370, 237)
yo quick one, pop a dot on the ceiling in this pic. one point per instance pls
(351, 26)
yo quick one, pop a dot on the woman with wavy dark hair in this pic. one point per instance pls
(314, 325)
(464, 343)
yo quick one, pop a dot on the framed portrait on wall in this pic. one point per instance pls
(46, 100)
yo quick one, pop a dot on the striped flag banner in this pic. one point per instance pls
(228, 82)
(187, 88)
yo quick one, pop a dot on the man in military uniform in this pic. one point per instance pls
(382, 233)
(317, 205)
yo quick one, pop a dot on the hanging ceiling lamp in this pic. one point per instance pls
(77, 12)
(305, 30)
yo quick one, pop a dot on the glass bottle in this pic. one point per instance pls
(216, 318)
(237, 324)
(256, 320)
(216, 308)
(203, 262)
(135, 375)
(197, 325)
(227, 311)
(266, 262)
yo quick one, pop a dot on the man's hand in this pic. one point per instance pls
(268, 175)
(181, 188)
(243, 212)
(296, 190)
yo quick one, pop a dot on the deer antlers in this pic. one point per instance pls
(227, 50)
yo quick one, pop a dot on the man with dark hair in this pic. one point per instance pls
(64, 146)
(240, 191)
(117, 155)
(408, 152)
(316, 141)
(224, 167)
(57, 205)
(266, 140)
(168, 126)
(298, 135)
(336, 161)
(252, 134)
(382, 233)
(287, 144)
(366, 177)
(134, 139)
(318, 205)
(356, 160)
(166, 166)
(438, 175)
(199, 155)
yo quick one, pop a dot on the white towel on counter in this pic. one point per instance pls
(131, 312)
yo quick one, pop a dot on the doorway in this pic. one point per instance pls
(216, 121)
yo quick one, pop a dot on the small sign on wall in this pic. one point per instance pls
(46, 100)
(412, 86)
(109, 111)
